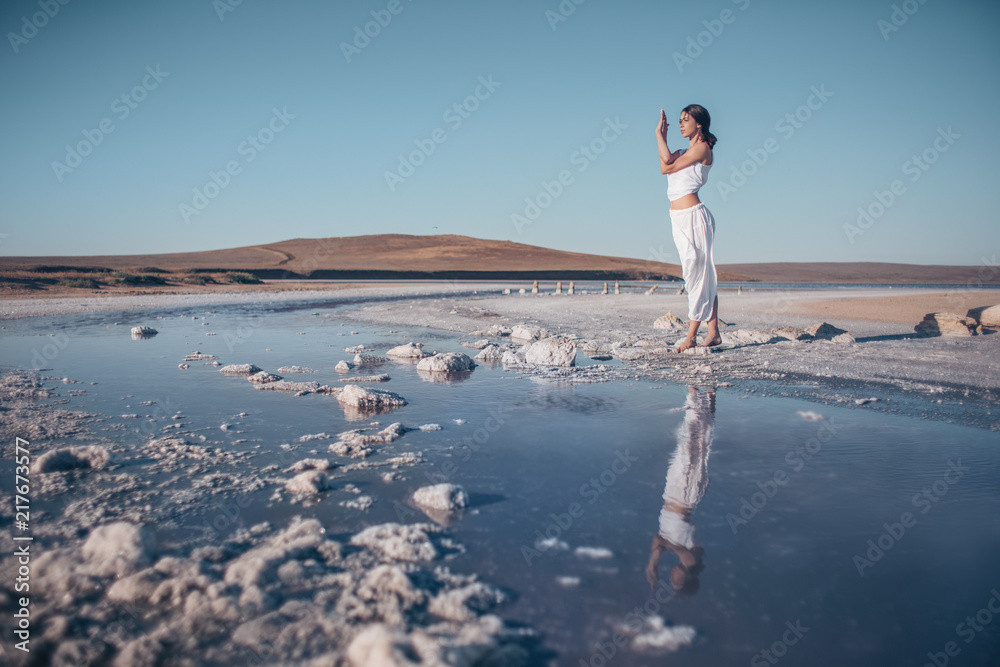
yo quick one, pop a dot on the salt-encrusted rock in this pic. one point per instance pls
(669, 321)
(368, 359)
(987, 316)
(512, 358)
(844, 338)
(357, 443)
(791, 333)
(399, 542)
(357, 349)
(144, 331)
(198, 356)
(69, 458)
(308, 483)
(448, 497)
(381, 377)
(362, 397)
(492, 331)
(490, 354)
(311, 464)
(118, 548)
(464, 604)
(655, 635)
(343, 366)
(528, 332)
(824, 330)
(476, 344)
(746, 337)
(296, 369)
(263, 377)
(409, 351)
(240, 369)
(446, 362)
(553, 351)
(288, 385)
(945, 324)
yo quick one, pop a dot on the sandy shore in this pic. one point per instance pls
(948, 378)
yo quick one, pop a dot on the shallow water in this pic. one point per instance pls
(587, 465)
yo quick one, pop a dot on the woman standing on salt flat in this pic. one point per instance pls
(692, 223)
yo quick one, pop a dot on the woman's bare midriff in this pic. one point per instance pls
(687, 201)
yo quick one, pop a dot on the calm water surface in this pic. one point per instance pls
(859, 539)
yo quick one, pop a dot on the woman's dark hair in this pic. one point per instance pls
(700, 115)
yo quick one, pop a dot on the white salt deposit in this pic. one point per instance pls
(553, 351)
(430, 427)
(263, 377)
(811, 416)
(240, 369)
(381, 377)
(308, 483)
(409, 351)
(654, 635)
(118, 548)
(68, 458)
(528, 332)
(399, 542)
(374, 399)
(448, 497)
(593, 552)
(446, 362)
(368, 359)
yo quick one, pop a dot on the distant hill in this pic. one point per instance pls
(379, 256)
(450, 256)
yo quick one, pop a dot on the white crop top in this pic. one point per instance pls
(688, 180)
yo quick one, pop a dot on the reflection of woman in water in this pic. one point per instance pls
(687, 479)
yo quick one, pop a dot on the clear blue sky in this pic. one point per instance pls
(893, 93)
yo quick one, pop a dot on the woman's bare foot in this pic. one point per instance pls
(685, 344)
(712, 341)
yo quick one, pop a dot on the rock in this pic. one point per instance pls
(362, 397)
(987, 316)
(446, 362)
(553, 351)
(357, 443)
(824, 331)
(746, 337)
(141, 332)
(492, 331)
(357, 349)
(791, 333)
(381, 377)
(263, 377)
(308, 483)
(844, 338)
(490, 354)
(368, 359)
(198, 356)
(70, 458)
(296, 369)
(343, 366)
(669, 321)
(399, 542)
(527, 332)
(118, 548)
(480, 344)
(945, 324)
(240, 369)
(408, 351)
(512, 358)
(448, 497)
(294, 387)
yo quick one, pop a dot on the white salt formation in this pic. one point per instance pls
(446, 362)
(409, 351)
(240, 369)
(263, 377)
(528, 332)
(308, 483)
(553, 351)
(143, 331)
(447, 497)
(373, 399)
(368, 359)
(668, 321)
(69, 458)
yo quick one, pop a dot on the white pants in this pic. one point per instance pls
(694, 235)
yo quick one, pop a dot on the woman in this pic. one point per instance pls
(692, 224)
